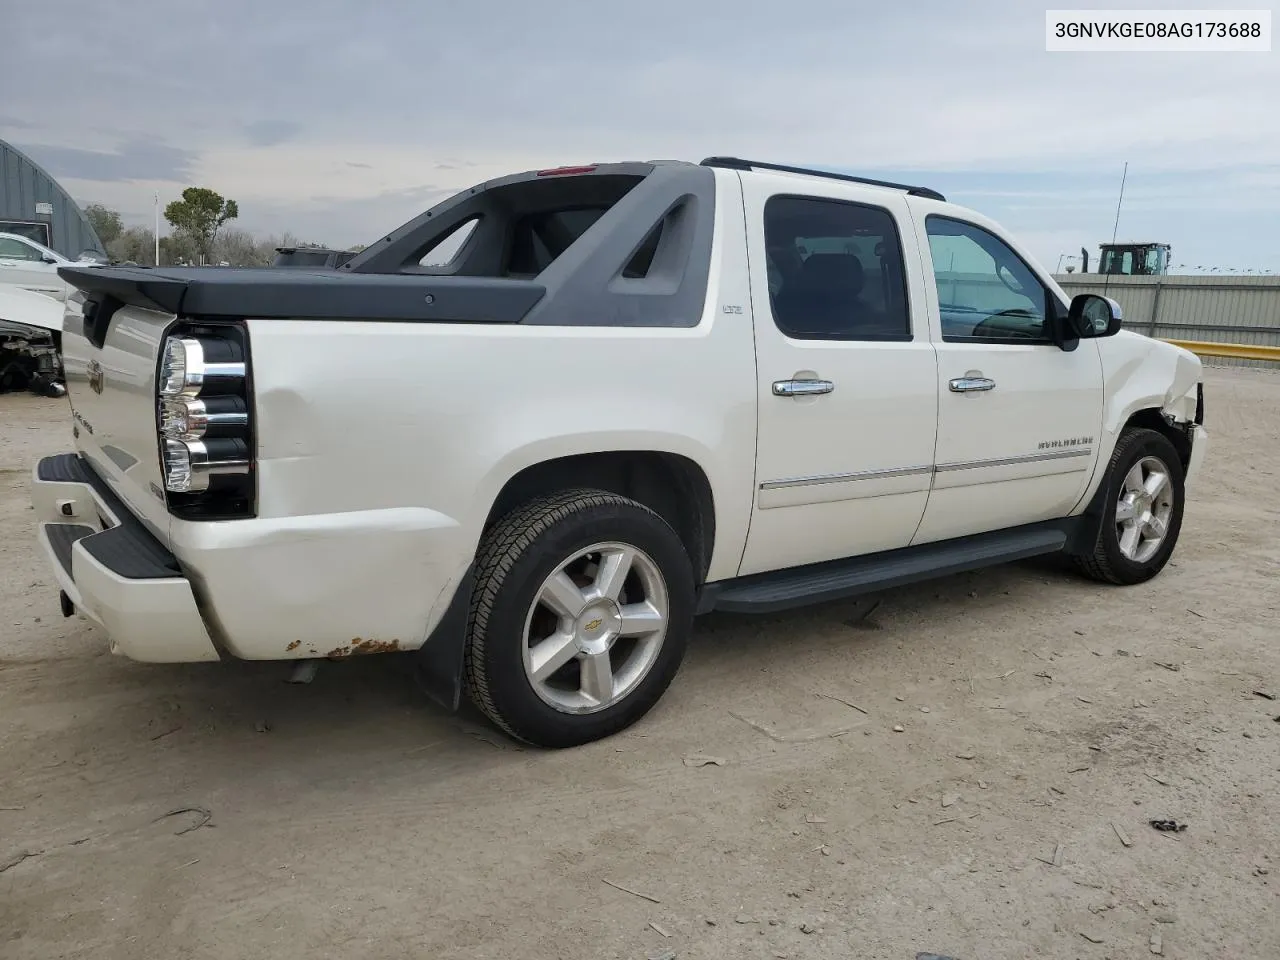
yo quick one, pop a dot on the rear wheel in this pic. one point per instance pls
(1141, 510)
(581, 612)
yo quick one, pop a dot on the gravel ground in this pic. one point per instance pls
(1045, 721)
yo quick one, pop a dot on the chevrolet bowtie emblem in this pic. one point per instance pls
(594, 624)
(97, 378)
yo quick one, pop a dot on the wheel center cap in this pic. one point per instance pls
(597, 627)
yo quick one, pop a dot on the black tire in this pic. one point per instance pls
(1105, 562)
(514, 559)
(12, 375)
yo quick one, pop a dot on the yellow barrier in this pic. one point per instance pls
(1237, 351)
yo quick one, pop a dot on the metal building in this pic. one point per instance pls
(33, 205)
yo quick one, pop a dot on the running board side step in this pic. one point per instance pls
(842, 579)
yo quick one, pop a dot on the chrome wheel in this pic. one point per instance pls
(595, 628)
(1143, 509)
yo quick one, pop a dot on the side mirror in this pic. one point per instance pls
(1093, 316)
(47, 259)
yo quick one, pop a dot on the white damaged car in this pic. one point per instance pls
(30, 342)
(33, 266)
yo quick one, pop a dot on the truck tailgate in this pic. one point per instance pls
(111, 384)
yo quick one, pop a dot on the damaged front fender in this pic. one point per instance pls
(1145, 374)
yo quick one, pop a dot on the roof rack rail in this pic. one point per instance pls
(735, 163)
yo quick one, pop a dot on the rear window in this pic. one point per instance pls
(539, 238)
(517, 229)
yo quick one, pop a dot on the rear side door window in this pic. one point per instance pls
(835, 270)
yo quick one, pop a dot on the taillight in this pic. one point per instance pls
(189, 365)
(198, 418)
(191, 465)
(204, 419)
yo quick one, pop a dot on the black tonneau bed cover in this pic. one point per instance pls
(266, 293)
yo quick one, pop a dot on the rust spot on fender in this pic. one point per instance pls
(295, 645)
(359, 647)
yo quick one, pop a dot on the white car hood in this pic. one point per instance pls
(19, 305)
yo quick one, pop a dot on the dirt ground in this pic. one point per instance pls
(1046, 721)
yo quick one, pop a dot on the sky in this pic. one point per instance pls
(337, 121)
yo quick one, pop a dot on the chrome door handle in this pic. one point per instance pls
(971, 384)
(801, 388)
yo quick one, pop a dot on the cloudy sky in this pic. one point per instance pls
(338, 120)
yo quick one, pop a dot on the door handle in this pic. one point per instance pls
(971, 384)
(801, 388)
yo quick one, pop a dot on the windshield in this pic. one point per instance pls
(1116, 261)
(39, 232)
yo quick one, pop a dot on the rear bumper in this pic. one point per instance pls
(330, 585)
(113, 570)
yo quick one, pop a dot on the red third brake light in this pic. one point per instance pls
(565, 171)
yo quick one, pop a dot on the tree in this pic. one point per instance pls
(178, 249)
(285, 239)
(240, 248)
(134, 245)
(106, 222)
(199, 215)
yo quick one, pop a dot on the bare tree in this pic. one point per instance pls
(240, 248)
(133, 245)
(178, 249)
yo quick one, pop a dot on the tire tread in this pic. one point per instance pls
(504, 544)
(1095, 564)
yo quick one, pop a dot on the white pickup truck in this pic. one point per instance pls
(533, 432)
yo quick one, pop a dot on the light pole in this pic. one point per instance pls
(157, 234)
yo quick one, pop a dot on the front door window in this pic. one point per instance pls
(986, 292)
(11, 249)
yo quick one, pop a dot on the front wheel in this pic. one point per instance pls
(581, 612)
(1141, 510)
